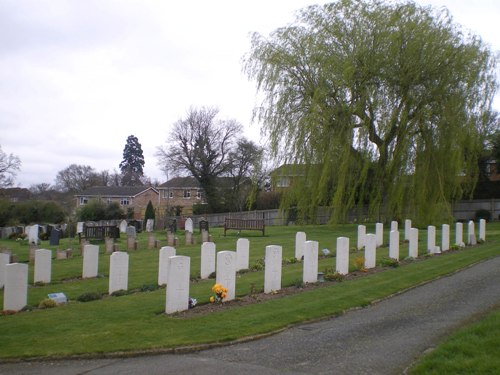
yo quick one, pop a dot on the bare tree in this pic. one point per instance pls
(200, 145)
(77, 178)
(9, 166)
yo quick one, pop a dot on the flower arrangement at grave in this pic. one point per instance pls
(220, 293)
(192, 302)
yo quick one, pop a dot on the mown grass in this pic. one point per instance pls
(137, 322)
(472, 350)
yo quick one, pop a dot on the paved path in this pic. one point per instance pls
(381, 339)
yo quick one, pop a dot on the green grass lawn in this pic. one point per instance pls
(136, 321)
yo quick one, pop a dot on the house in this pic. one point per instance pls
(178, 195)
(131, 198)
(286, 175)
(15, 194)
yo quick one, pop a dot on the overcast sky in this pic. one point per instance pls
(78, 77)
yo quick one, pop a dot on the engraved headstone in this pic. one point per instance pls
(188, 225)
(131, 231)
(407, 229)
(310, 266)
(342, 263)
(151, 241)
(379, 234)
(33, 234)
(413, 243)
(394, 225)
(165, 253)
(431, 240)
(226, 272)
(90, 261)
(118, 271)
(394, 244)
(178, 284)
(459, 234)
(471, 234)
(150, 225)
(370, 251)
(207, 259)
(15, 294)
(272, 272)
(4, 260)
(55, 236)
(43, 266)
(79, 227)
(110, 245)
(242, 254)
(300, 241)
(205, 236)
(361, 236)
(445, 237)
(482, 230)
(123, 226)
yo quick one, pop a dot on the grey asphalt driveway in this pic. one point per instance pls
(384, 338)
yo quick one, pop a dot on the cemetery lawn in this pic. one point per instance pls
(473, 349)
(136, 322)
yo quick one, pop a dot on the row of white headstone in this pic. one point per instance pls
(174, 271)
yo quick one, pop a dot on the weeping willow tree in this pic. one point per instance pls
(380, 104)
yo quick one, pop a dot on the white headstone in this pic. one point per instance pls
(394, 244)
(166, 252)
(15, 294)
(482, 230)
(413, 245)
(242, 254)
(226, 272)
(361, 236)
(379, 233)
(33, 234)
(407, 229)
(90, 261)
(300, 242)
(272, 273)
(445, 237)
(394, 225)
(118, 271)
(43, 266)
(471, 234)
(459, 234)
(79, 227)
(342, 264)
(207, 266)
(370, 251)
(4, 260)
(150, 223)
(123, 226)
(310, 266)
(188, 226)
(431, 240)
(178, 284)
(131, 231)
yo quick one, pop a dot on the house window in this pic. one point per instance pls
(124, 202)
(283, 182)
(109, 200)
(187, 194)
(83, 201)
(171, 194)
(168, 194)
(198, 194)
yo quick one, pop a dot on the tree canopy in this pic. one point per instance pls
(133, 162)
(383, 102)
(9, 166)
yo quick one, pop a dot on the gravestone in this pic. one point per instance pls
(242, 254)
(118, 271)
(131, 231)
(33, 234)
(131, 236)
(361, 236)
(482, 230)
(4, 260)
(413, 243)
(15, 293)
(203, 226)
(123, 226)
(445, 237)
(151, 241)
(55, 236)
(205, 236)
(188, 238)
(207, 266)
(394, 244)
(370, 251)
(172, 225)
(394, 225)
(165, 253)
(459, 236)
(407, 229)
(300, 241)
(110, 245)
(431, 240)
(33, 248)
(310, 266)
(43, 266)
(272, 272)
(471, 235)
(342, 263)
(178, 284)
(188, 225)
(61, 254)
(226, 272)
(379, 233)
(79, 227)
(90, 261)
(150, 224)
(171, 239)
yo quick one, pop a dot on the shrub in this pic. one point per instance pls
(119, 293)
(333, 276)
(47, 304)
(259, 265)
(90, 296)
(483, 214)
(359, 263)
(389, 262)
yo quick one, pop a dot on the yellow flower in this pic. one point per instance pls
(212, 299)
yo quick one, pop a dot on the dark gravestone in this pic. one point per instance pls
(172, 225)
(55, 235)
(203, 225)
